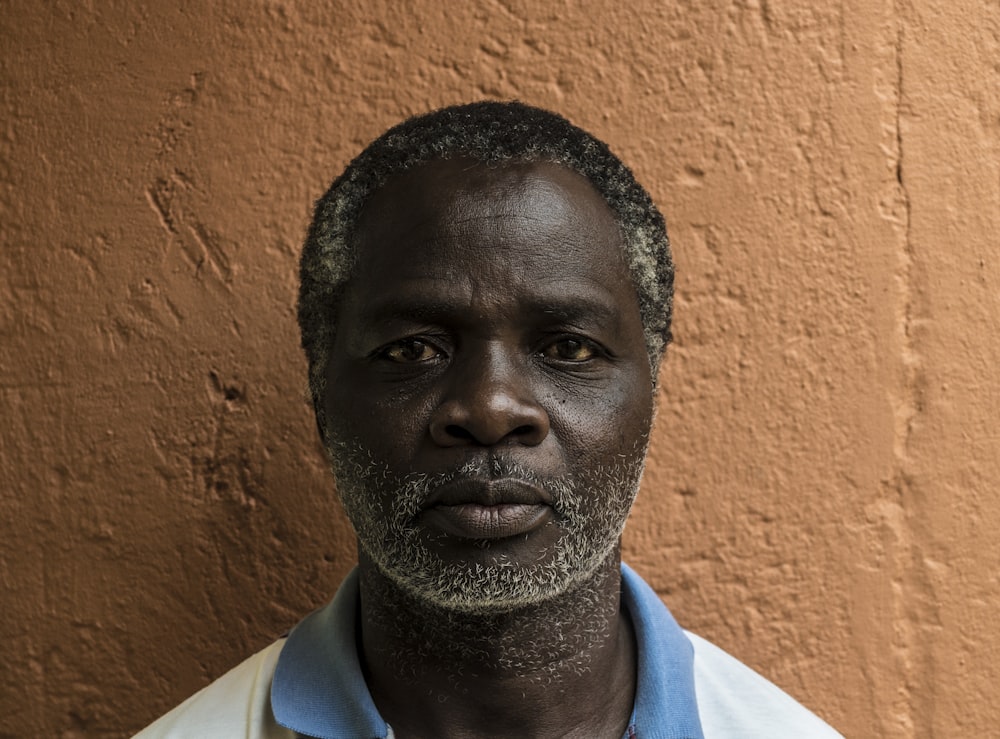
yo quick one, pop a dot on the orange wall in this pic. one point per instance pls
(821, 499)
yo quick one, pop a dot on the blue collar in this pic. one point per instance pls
(319, 689)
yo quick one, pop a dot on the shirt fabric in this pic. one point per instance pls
(311, 684)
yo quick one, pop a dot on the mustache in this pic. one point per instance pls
(422, 486)
(491, 467)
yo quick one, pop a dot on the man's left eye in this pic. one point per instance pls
(571, 350)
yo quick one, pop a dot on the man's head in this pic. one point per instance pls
(487, 132)
(489, 354)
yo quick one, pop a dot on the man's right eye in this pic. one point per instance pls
(409, 350)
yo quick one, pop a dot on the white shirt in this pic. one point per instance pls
(686, 687)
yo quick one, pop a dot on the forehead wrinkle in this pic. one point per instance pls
(467, 308)
(514, 227)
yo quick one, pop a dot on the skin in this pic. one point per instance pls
(489, 402)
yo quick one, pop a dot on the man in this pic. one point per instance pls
(486, 296)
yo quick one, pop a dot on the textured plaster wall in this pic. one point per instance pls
(821, 499)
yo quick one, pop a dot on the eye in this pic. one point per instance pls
(409, 350)
(572, 349)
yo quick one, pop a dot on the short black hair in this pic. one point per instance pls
(490, 132)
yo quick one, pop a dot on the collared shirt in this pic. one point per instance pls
(312, 685)
(320, 660)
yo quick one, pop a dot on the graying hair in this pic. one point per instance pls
(489, 132)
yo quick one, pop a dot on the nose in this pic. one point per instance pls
(489, 400)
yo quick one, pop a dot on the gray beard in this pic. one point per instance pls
(590, 509)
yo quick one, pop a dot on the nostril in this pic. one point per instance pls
(524, 430)
(458, 432)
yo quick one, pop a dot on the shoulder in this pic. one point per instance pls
(735, 701)
(236, 706)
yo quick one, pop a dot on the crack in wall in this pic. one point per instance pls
(910, 584)
(904, 408)
(893, 510)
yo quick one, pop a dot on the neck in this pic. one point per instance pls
(436, 672)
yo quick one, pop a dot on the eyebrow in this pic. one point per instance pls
(578, 307)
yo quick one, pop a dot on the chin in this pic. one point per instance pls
(478, 589)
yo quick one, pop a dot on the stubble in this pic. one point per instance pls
(589, 509)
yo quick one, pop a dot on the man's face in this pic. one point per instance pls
(488, 394)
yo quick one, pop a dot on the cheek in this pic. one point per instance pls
(605, 424)
(389, 425)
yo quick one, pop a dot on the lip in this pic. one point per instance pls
(480, 509)
(488, 492)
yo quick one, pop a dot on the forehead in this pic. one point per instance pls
(468, 213)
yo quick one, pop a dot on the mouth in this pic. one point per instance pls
(480, 509)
